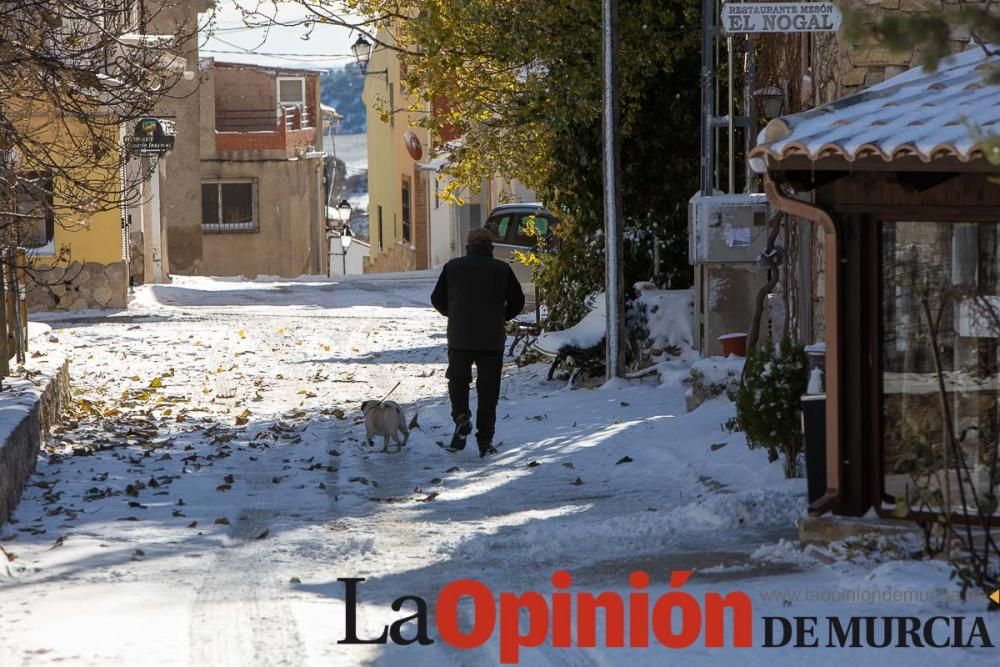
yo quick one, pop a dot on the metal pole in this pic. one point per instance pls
(731, 114)
(707, 96)
(750, 131)
(614, 291)
(156, 231)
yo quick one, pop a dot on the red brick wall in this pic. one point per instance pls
(265, 141)
(241, 89)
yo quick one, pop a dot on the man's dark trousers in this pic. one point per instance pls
(489, 365)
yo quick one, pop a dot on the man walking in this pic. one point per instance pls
(477, 294)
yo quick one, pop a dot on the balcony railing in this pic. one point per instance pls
(263, 120)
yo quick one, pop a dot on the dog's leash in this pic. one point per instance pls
(390, 393)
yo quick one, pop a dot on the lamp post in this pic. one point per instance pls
(362, 50)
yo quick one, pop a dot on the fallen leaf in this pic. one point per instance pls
(222, 521)
(577, 482)
(243, 418)
(263, 534)
(156, 383)
(295, 580)
(624, 459)
(533, 464)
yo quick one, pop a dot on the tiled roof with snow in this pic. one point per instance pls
(920, 114)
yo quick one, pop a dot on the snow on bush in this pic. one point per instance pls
(669, 318)
(715, 376)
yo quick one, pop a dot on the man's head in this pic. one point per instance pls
(479, 239)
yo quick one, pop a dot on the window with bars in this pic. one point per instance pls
(406, 208)
(229, 207)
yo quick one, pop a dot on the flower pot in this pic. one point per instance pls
(734, 343)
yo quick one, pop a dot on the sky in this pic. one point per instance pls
(226, 38)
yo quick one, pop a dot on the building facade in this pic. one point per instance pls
(397, 187)
(261, 176)
(89, 260)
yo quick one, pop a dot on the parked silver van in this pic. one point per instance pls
(510, 226)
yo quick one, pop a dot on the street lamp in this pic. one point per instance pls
(362, 51)
(344, 213)
(345, 242)
(772, 101)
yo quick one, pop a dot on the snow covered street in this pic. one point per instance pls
(213, 484)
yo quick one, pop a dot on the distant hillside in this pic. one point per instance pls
(341, 88)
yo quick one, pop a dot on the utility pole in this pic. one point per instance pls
(613, 275)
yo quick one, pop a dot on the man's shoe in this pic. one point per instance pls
(463, 427)
(486, 448)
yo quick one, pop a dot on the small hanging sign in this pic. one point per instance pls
(150, 136)
(780, 17)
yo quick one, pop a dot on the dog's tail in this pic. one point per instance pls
(402, 424)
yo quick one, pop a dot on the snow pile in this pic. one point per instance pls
(588, 332)
(714, 376)
(718, 370)
(784, 551)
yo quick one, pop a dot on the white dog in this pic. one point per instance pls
(385, 418)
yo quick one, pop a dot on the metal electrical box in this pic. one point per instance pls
(727, 229)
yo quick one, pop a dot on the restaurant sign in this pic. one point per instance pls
(780, 17)
(150, 136)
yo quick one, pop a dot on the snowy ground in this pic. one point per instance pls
(208, 493)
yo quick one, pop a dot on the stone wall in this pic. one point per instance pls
(81, 287)
(19, 451)
(399, 257)
(843, 67)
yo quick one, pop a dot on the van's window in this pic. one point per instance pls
(524, 236)
(498, 227)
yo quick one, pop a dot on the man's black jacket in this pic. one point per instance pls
(477, 294)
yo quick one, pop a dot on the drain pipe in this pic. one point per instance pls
(831, 274)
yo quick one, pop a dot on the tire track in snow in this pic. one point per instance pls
(241, 616)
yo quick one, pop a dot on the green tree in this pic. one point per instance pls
(767, 402)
